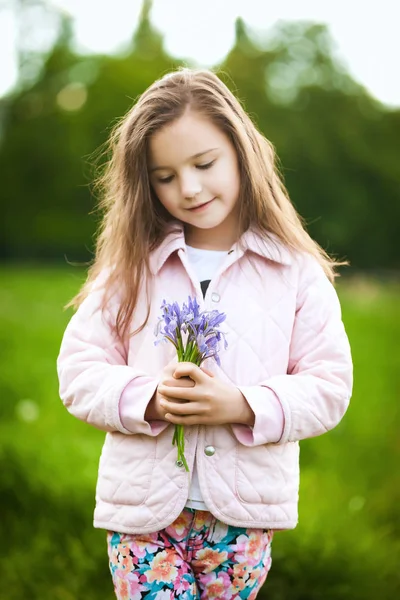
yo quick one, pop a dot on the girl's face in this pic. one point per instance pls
(194, 172)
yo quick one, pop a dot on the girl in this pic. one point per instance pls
(194, 206)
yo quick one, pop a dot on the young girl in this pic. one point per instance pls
(194, 207)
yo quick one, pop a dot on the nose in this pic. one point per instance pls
(190, 185)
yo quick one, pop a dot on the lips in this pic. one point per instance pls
(199, 206)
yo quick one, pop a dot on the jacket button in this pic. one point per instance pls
(209, 450)
(179, 463)
(215, 297)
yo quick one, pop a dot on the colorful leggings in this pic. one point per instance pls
(196, 557)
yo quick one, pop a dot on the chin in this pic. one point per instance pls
(206, 226)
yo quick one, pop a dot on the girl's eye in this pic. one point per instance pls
(202, 167)
(206, 165)
(165, 179)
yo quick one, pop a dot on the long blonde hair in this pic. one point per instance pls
(134, 221)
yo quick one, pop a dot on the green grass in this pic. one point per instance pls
(347, 543)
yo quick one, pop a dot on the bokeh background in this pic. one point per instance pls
(339, 152)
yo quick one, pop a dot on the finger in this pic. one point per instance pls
(174, 400)
(184, 382)
(168, 370)
(188, 369)
(181, 409)
(181, 393)
(186, 420)
(207, 372)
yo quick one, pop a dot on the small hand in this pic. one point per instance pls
(208, 401)
(154, 409)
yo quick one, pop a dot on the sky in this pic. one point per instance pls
(365, 32)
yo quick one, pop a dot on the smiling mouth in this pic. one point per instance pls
(200, 206)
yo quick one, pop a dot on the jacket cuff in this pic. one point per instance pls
(269, 417)
(133, 404)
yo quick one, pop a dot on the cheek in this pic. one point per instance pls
(229, 183)
(165, 197)
(228, 175)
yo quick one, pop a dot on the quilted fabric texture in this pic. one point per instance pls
(286, 345)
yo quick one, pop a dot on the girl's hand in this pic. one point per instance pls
(209, 401)
(154, 411)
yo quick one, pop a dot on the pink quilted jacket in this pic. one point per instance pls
(287, 346)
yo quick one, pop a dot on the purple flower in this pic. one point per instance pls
(195, 334)
(196, 337)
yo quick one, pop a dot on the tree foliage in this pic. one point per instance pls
(337, 145)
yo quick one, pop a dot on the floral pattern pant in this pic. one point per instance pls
(196, 557)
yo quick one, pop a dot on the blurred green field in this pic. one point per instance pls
(347, 544)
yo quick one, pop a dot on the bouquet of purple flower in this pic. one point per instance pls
(196, 336)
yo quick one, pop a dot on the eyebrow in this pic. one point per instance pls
(190, 158)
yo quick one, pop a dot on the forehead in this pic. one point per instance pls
(189, 135)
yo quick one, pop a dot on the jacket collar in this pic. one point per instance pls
(268, 246)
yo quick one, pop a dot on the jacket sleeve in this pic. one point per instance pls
(94, 375)
(315, 392)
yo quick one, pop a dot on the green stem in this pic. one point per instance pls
(194, 356)
(184, 354)
(180, 345)
(179, 440)
(188, 351)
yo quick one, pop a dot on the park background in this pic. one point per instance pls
(339, 152)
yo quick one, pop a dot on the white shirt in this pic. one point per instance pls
(205, 264)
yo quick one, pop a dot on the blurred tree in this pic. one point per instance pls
(337, 144)
(51, 132)
(32, 41)
(38, 160)
(333, 139)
